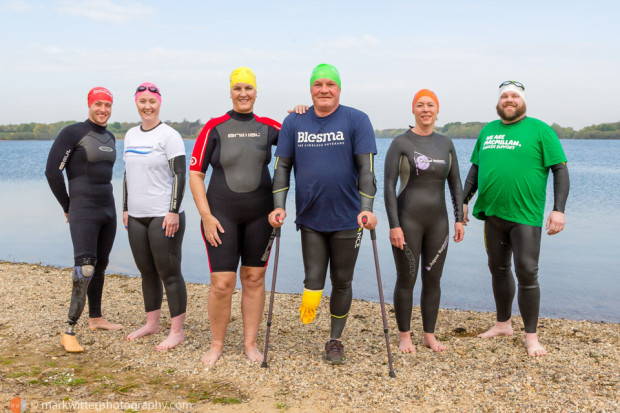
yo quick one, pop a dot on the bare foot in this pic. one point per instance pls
(534, 349)
(145, 330)
(253, 354)
(431, 342)
(501, 328)
(212, 356)
(100, 323)
(405, 345)
(69, 342)
(171, 341)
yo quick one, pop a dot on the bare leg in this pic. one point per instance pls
(252, 306)
(151, 326)
(100, 323)
(534, 349)
(406, 345)
(431, 342)
(501, 328)
(218, 306)
(176, 335)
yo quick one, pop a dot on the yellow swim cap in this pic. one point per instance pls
(243, 75)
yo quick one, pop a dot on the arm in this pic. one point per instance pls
(471, 186)
(390, 179)
(209, 222)
(456, 193)
(60, 154)
(125, 210)
(281, 183)
(367, 187)
(561, 186)
(171, 220)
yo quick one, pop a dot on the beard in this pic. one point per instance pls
(519, 112)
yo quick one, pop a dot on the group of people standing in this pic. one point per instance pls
(330, 148)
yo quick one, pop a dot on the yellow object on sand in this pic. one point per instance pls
(69, 342)
(310, 301)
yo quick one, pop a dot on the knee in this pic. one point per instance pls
(500, 270)
(253, 280)
(221, 289)
(527, 277)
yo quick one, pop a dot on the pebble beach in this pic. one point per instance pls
(581, 372)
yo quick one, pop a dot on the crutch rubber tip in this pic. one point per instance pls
(264, 364)
(392, 374)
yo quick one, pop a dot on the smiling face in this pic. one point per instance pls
(425, 112)
(148, 108)
(325, 96)
(99, 112)
(511, 108)
(243, 96)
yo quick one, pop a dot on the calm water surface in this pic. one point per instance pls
(579, 273)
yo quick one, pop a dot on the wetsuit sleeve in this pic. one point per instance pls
(561, 185)
(367, 183)
(456, 188)
(59, 155)
(390, 179)
(471, 184)
(177, 166)
(125, 209)
(205, 146)
(281, 180)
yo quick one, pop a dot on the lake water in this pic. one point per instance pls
(579, 272)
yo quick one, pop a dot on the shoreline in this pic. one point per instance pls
(580, 373)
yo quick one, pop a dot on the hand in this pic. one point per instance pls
(371, 220)
(66, 217)
(299, 109)
(170, 224)
(211, 227)
(465, 213)
(459, 232)
(276, 217)
(555, 222)
(125, 219)
(397, 238)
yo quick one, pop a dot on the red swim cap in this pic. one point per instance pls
(99, 93)
(425, 92)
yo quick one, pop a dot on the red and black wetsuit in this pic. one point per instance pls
(238, 147)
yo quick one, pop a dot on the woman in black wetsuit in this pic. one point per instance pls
(87, 151)
(234, 211)
(419, 231)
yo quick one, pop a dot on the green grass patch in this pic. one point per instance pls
(198, 396)
(226, 400)
(126, 388)
(50, 364)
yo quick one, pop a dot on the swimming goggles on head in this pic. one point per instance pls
(512, 82)
(151, 89)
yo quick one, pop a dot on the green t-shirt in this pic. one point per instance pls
(513, 167)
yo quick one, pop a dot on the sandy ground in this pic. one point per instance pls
(581, 373)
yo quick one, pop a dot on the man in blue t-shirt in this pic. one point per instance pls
(331, 149)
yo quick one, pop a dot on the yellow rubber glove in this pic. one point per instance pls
(310, 301)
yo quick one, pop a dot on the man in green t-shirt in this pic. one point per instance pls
(510, 167)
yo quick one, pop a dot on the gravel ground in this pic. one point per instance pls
(580, 373)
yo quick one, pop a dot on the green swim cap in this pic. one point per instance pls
(325, 71)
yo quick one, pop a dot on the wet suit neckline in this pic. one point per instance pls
(240, 116)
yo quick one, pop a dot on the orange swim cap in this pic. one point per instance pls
(425, 92)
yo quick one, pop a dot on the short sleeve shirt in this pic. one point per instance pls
(149, 178)
(513, 168)
(323, 149)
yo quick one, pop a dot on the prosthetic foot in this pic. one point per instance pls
(69, 342)
(310, 301)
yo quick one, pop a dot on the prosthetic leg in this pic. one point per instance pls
(82, 275)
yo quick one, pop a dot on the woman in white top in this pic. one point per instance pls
(153, 215)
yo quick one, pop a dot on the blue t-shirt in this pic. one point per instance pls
(323, 149)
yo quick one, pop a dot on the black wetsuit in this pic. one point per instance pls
(238, 147)
(423, 164)
(87, 152)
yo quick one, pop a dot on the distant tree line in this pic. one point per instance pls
(190, 130)
(471, 130)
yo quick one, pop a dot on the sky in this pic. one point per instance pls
(566, 53)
